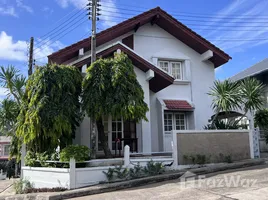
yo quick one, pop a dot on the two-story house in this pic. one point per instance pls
(175, 67)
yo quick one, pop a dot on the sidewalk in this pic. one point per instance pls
(6, 187)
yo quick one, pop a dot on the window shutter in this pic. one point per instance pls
(187, 70)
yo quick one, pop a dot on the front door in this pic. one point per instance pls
(119, 133)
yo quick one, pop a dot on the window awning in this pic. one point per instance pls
(182, 105)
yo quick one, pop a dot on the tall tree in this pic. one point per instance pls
(110, 87)
(14, 82)
(50, 109)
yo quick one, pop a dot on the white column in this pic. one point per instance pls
(146, 127)
(22, 160)
(126, 156)
(72, 174)
(251, 129)
(174, 149)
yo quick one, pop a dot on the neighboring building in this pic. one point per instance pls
(175, 67)
(258, 71)
(4, 147)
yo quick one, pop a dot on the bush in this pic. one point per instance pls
(198, 159)
(38, 159)
(79, 152)
(120, 173)
(22, 185)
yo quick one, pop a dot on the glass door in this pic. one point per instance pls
(117, 134)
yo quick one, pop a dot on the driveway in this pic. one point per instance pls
(244, 184)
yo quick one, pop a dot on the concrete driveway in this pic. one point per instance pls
(244, 184)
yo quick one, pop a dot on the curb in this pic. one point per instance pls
(132, 183)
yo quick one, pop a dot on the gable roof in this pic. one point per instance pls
(251, 71)
(157, 16)
(161, 78)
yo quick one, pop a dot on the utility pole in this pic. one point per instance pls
(93, 12)
(30, 65)
(93, 33)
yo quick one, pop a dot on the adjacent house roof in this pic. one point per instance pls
(178, 105)
(161, 78)
(153, 16)
(252, 71)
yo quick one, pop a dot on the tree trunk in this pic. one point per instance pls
(103, 139)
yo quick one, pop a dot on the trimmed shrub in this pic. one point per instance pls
(79, 152)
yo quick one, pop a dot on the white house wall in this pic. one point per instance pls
(149, 41)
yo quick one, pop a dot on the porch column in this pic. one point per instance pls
(146, 125)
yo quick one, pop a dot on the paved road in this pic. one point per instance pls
(247, 184)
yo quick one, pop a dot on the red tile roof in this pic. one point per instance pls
(163, 19)
(178, 105)
(160, 80)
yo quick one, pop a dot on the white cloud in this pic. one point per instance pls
(107, 14)
(18, 50)
(243, 37)
(10, 50)
(8, 11)
(45, 48)
(75, 3)
(21, 5)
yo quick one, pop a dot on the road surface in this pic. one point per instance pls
(244, 184)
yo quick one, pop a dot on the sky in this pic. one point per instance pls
(239, 27)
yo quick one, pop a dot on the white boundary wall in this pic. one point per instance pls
(71, 178)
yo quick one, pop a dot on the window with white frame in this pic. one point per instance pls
(6, 150)
(173, 68)
(174, 121)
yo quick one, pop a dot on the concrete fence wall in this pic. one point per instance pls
(72, 177)
(215, 145)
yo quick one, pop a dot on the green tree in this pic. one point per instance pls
(50, 109)
(14, 82)
(227, 96)
(110, 87)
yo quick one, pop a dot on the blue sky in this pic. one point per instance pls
(240, 28)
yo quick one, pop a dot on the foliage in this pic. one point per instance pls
(14, 83)
(228, 96)
(225, 96)
(154, 168)
(136, 172)
(22, 185)
(79, 152)
(50, 110)
(221, 124)
(120, 173)
(261, 118)
(198, 159)
(37, 159)
(110, 87)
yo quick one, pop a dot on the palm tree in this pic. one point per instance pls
(14, 82)
(251, 91)
(224, 97)
(228, 96)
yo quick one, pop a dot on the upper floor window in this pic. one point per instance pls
(173, 68)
